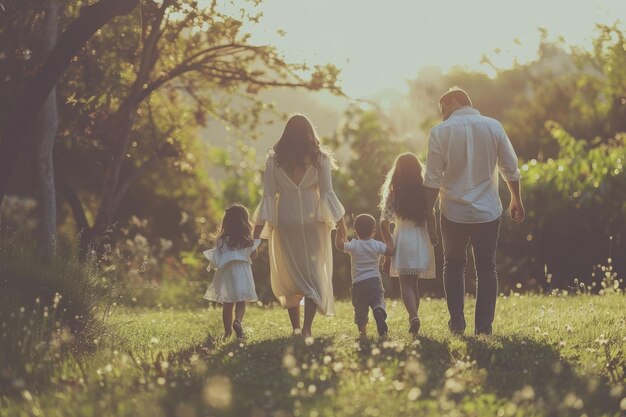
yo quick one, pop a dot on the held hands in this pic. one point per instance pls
(516, 210)
(432, 232)
(342, 230)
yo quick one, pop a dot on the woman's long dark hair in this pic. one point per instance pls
(236, 231)
(298, 143)
(404, 183)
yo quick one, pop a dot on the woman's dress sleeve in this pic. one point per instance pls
(266, 212)
(330, 209)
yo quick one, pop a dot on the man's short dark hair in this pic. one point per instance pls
(458, 94)
(364, 224)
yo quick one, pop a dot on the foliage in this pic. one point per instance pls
(584, 91)
(19, 22)
(134, 100)
(575, 205)
(170, 362)
(46, 310)
(366, 145)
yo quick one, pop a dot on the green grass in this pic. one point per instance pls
(550, 356)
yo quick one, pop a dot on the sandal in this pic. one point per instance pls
(414, 326)
(238, 328)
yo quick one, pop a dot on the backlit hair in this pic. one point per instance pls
(236, 231)
(364, 225)
(404, 188)
(298, 143)
(458, 94)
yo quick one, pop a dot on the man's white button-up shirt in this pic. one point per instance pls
(463, 153)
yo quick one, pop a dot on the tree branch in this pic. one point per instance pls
(27, 110)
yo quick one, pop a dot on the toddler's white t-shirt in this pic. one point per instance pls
(365, 255)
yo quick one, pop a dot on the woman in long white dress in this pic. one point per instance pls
(297, 213)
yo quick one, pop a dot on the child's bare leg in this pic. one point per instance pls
(227, 318)
(411, 299)
(240, 310)
(408, 287)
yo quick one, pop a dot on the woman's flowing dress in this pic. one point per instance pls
(298, 219)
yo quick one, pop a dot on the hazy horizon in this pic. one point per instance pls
(379, 45)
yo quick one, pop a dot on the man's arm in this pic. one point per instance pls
(507, 165)
(516, 208)
(430, 197)
(435, 167)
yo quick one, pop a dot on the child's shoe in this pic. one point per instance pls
(414, 326)
(238, 328)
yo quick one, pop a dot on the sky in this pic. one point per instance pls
(379, 44)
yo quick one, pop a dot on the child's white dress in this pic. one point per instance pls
(414, 252)
(233, 281)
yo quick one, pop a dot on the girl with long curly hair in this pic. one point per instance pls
(403, 204)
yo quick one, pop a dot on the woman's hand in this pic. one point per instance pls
(341, 227)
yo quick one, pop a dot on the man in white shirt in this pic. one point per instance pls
(464, 151)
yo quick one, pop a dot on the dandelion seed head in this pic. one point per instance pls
(338, 367)
(289, 361)
(414, 394)
(217, 392)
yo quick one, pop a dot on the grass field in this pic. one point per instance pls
(549, 356)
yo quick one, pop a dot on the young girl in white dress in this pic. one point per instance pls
(402, 203)
(233, 283)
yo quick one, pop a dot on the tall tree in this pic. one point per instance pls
(31, 101)
(190, 54)
(45, 134)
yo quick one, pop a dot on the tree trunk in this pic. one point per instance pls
(71, 197)
(45, 135)
(117, 131)
(29, 106)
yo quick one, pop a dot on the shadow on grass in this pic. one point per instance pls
(432, 355)
(513, 363)
(249, 378)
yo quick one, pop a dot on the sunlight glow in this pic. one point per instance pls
(379, 44)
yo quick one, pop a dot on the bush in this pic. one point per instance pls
(46, 310)
(574, 224)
